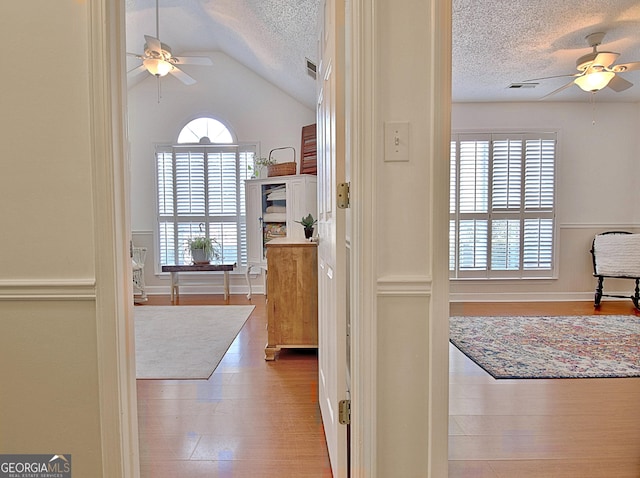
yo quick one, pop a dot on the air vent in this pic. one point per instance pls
(311, 68)
(523, 85)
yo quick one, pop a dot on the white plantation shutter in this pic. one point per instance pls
(201, 192)
(507, 174)
(539, 174)
(538, 244)
(190, 182)
(473, 176)
(505, 245)
(502, 205)
(472, 247)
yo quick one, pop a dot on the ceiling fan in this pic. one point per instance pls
(596, 70)
(159, 61)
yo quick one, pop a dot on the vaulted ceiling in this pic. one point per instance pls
(496, 43)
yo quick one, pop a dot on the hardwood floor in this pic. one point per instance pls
(561, 428)
(258, 419)
(251, 419)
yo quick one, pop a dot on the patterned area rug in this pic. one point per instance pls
(551, 347)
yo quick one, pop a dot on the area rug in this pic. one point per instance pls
(551, 347)
(185, 342)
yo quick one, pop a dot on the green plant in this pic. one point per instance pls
(208, 245)
(258, 164)
(307, 222)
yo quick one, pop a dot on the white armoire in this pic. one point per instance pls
(273, 207)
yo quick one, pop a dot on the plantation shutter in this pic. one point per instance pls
(539, 202)
(201, 192)
(472, 205)
(502, 205)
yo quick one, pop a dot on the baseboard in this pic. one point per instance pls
(521, 297)
(204, 290)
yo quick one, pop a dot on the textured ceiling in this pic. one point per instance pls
(495, 42)
(499, 42)
(270, 37)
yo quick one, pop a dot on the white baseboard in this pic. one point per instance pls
(201, 290)
(537, 296)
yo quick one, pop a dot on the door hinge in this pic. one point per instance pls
(344, 412)
(343, 195)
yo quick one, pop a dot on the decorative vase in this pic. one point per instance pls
(308, 232)
(199, 256)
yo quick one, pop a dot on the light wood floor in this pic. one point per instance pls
(251, 419)
(258, 419)
(560, 428)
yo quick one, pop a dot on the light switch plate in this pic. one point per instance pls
(396, 141)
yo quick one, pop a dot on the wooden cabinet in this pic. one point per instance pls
(273, 207)
(292, 296)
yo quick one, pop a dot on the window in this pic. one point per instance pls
(205, 130)
(502, 205)
(201, 192)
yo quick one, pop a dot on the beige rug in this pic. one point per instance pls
(185, 342)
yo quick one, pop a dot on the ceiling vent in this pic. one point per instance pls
(523, 85)
(311, 68)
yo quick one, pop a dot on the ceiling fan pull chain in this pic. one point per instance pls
(592, 100)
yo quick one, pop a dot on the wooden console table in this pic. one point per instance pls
(175, 279)
(292, 296)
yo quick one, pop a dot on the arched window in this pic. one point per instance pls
(205, 130)
(201, 192)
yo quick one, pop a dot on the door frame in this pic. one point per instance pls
(118, 414)
(114, 290)
(363, 133)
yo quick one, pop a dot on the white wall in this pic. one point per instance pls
(50, 334)
(597, 172)
(254, 109)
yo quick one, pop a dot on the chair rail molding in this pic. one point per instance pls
(596, 225)
(48, 289)
(404, 285)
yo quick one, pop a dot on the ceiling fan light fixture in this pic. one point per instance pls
(594, 81)
(157, 67)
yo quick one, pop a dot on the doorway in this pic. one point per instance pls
(365, 176)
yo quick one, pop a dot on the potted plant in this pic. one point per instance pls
(203, 249)
(258, 164)
(308, 222)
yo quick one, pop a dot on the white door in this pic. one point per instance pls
(332, 256)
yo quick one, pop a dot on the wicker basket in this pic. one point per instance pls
(281, 169)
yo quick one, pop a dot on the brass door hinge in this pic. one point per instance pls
(343, 195)
(344, 412)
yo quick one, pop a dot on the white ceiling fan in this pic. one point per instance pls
(159, 61)
(596, 70)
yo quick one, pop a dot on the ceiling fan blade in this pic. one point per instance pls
(182, 76)
(558, 90)
(137, 70)
(140, 57)
(153, 44)
(605, 58)
(618, 84)
(192, 60)
(550, 77)
(635, 65)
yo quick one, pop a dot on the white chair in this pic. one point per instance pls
(137, 262)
